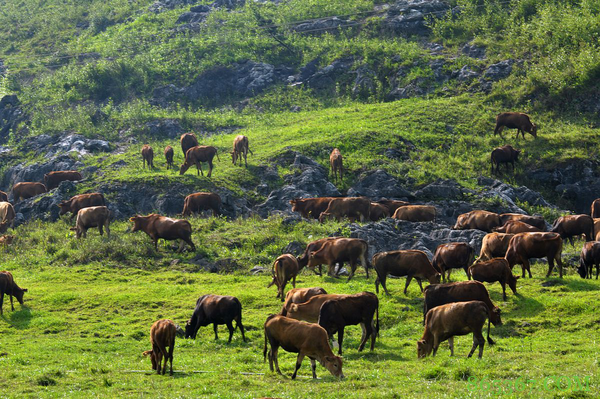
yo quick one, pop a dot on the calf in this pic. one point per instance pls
(198, 202)
(410, 263)
(26, 190)
(300, 295)
(301, 338)
(7, 216)
(10, 288)
(147, 156)
(524, 246)
(515, 227)
(162, 335)
(94, 216)
(493, 270)
(446, 321)
(188, 140)
(494, 245)
(81, 201)
(313, 246)
(169, 153)
(392, 205)
(336, 314)
(53, 179)
(337, 164)
(590, 256)
(309, 310)
(478, 219)
(215, 309)
(594, 209)
(341, 250)
(284, 269)
(351, 207)
(240, 149)
(504, 155)
(6, 240)
(570, 226)
(3, 196)
(455, 255)
(378, 211)
(535, 221)
(311, 208)
(515, 120)
(157, 227)
(415, 213)
(197, 155)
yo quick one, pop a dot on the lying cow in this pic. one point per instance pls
(378, 212)
(454, 255)
(337, 164)
(162, 335)
(590, 256)
(187, 140)
(494, 245)
(94, 216)
(198, 202)
(504, 155)
(147, 156)
(524, 246)
(351, 207)
(535, 221)
(197, 155)
(300, 295)
(240, 149)
(311, 208)
(493, 270)
(478, 219)
(338, 251)
(53, 179)
(81, 201)
(515, 120)
(169, 153)
(285, 268)
(410, 263)
(570, 226)
(415, 213)
(7, 216)
(26, 190)
(516, 227)
(216, 309)
(157, 227)
(10, 288)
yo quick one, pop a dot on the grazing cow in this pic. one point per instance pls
(313, 246)
(410, 263)
(157, 227)
(93, 216)
(198, 202)
(7, 216)
(378, 211)
(415, 213)
(188, 140)
(216, 309)
(162, 335)
(26, 190)
(478, 219)
(596, 229)
(300, 295)
(197, 155)
(240, 149)
(515, 227)
(337, 164)
(147, 156)
(515, 120)
(570, 226)
(494, 245)
(392, 205)
(169, 153)
(3, 196)
(505, 154)
(454, 255)
(447, 321)
(6, 240)
(81, 201)
(311, 208)
(341, 250)
(10, 288)
(336, 314)
(496, 269)
(594, 211)
(351, 207)
(590, 256)
(524, 246)
(284, 269)
(535, 221)
(302, 338)
(53, 179)
(309, 310)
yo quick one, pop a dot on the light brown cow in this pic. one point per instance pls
(162, 335)
(410, 263)
(515, 227)
(570, 226)
(535, 221)
(392, 205)
(80, 201)
(496, 269)
(341, 250)
(309, 310)
(494, 245)
(157, 227)
(300, 295)
(478, 219)
(147, 156)
(524, 246)
(240, 149)
(10, 288)
(169, 153)
(454, 255)
(302, 338)
(337, 164)
(378, 211)
(198, 202)
(595, 208)
(311, 207)
(188, 140)
(515, 120)
(596, 229)
(3, 196)
(7, 216)
(197, 155)
(351, 207)
(53, 179)
(415, 213)
(26, 190)
(285, 268)
(93, 216)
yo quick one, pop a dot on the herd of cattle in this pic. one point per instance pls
(450, 309)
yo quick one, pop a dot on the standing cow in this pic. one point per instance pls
(81, 201)
(336, 163)
(285, 268)
(454, 255)
(169, 153)
(7, 216)
(524, 246)
(197, 155)
(10, 288)
(506, 155)
(157, 227)
(411, 263)
(515, 120)
(215, 310)
(162, 335)
(53, 179)
(477, 219)
(26, 190)
(188, 140)
(93, 216)
(570, 226)
(590, 256)
(240, 149)
(198, 202)
(415, 213)
(338, 251)
(147, 156)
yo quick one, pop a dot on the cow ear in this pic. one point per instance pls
(24, 289)
(517, 277)
(146, 353)
(73, 229)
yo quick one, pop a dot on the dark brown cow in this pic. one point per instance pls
(392, 205)
(595, 208)
(188, 140)
(446, 321)
(240, 149)
(454, 255)
(53, 179)
(311, 208)
(157, 227)
(7, 216)
(351, 207)
(515, 120)
(570, 226)
(309, 310)
(410, 263)
(337, 164)
(215, 310)
(197, 155)
(478, 219)
(93, 216)
(515, 227)
(301, 338)
(169, 153)
(336, 314)
(524, 246)
(596, 229)
(590, 256)
(313, 246)
(162, 335)
(493, 270)
(300, 295)
(285, 268)
(341, 250)
(505, 154)
(10, 288)
(535, 221)
(147, 156)
(415, 213)
(198, 202)
(378, 211)
(494, 245)
(26, 190)
(81, 201)
(3, 196)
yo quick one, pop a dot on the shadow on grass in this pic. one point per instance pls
(19, 319)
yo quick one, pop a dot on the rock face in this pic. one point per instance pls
(162, 128)
(36, 172)
(44, 206)
(379, 184)
(498, 71)
(327, 77)
(10, 115)
(163, 5)
(321, 25)
(409, 17)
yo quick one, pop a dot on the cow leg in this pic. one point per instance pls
(107, 228)
(210, 167)
(384, 285)
(238, 323)
(84, 232)
(597, 271)
(100, 229)
(231, 329)
(340, 338)
(313, 366)
(466, 268)
(550, 266)
(352, 269)
(420, 285)
(294, 282)
(12, 307)
(451, 344)
(478, 340)
(503, 284)
(298, 364)
(171, 349)
(215, 328)
(408, 278)
(436, 345)
(448, 278)
(274, 358)
(363, 261)
(560, 266)
(1, 301)
(571, 241)
(443, 273)
(363, 338)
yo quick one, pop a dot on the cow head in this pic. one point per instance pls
(152, 358)
(517, 152)
(435, 278)
(495, 316)
(65, 206)
(233, 157)
(512, 283)
(183, 168)
(7, 239)
(460, 223)
(18, 293)
(137, 223)
(533, 130)
(582, 269)
(424, 348)
(295, 205)
(189, 330)
(334, 365)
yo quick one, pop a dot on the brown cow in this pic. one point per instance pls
(169, 153)
(10, 288)
(311, 207)
(535, 221)
(314, 246)
(351, 207)
(53, 179)
(454, 255)
(515, 120)
(493, 270)
(26, 190)
(285, 268)
(157, 227)
(570, 226)
(515, 227)
(505, 154)
(93, 216)
(415, 213)
(198, 202)
(410, 263)
(595, 208)
(188, 140)
(378, 211)
(590, 256)
(162, 335)
(494, 245)
(392, 205)
(337, 164)
(300, 295)
(446, 321)
(216, 309)
(240, 149)
(147, 156)
(7, 216)
(478, 219)
(302, 338)
(197, 155)
(81, 201)
(6, 240)
(309, 310)
(3, 196)
(524, 246)
(341, 250)
(596, 229)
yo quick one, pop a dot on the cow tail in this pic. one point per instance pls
(489, 339)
